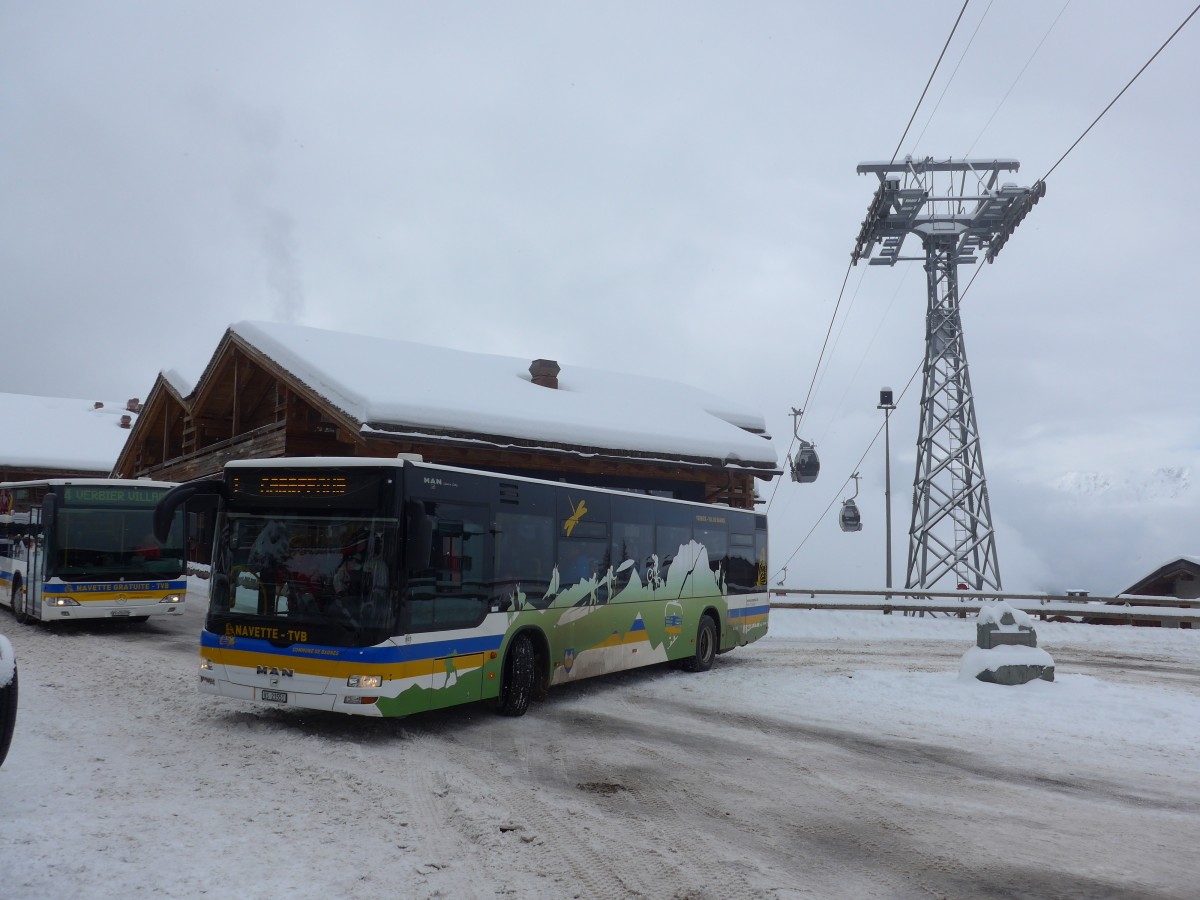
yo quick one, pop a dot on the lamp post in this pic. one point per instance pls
(887, 405)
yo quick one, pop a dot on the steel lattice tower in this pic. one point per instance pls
(951, 534)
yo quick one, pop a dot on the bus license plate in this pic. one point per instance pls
(120, 612)
(277, 696)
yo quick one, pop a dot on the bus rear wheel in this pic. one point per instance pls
(18, 601)
(516, 686)
(706, 647)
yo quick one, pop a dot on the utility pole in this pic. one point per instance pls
(887, 405)
(957, 210)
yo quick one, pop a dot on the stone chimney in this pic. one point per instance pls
(545, 372)
(126, 421)
(133, 404)
(97, 405)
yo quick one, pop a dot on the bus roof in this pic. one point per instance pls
(87, 482)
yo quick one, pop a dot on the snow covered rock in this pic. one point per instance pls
(1006, 650)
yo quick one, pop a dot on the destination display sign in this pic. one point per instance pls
(104, 495)
(296, 489)
(293, 484)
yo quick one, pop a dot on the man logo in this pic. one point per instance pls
(568, 659)
(271, 670)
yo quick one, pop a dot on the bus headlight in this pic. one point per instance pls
(172, 598)
(63, 601)
(364, 681)
(206, 664)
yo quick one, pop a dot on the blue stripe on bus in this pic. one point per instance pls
(375, 655)
(99, 587)
(750, 611)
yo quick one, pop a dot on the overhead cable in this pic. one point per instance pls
(930, 81)
(842, 292)
(950, 80)
(1017, 79)
(1123, 90)
(963, 293)
(828, 330)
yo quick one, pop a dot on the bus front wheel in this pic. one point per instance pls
(18, 601)
(516, 688)
(706, 647)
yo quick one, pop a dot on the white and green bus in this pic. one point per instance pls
(84, 548)
(390, 587)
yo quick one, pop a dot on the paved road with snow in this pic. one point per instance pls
(818, 763)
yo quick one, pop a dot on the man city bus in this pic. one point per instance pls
(386, 587)
(84, 548)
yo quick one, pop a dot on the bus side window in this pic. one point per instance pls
(716, 542)
(584, 549)
(632, 545)
(581, 559)
(673, 534)
(524, 558)
(449, 589)
(760, 552)
(743, 567)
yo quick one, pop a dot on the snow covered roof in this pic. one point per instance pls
(392, 385)
(61, 434)
(177, 382)
(1173, 566)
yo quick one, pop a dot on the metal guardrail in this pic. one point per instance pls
(1168, 611)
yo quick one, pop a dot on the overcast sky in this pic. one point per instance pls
(658, 188)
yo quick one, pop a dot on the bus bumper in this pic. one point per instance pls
(211, 684)
(137, 609)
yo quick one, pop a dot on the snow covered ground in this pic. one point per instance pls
(841, 757)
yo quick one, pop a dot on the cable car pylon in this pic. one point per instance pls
(958, 210)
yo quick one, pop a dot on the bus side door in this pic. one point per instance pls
(449, 594)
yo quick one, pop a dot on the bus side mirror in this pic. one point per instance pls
(418, 529)
(164, 511)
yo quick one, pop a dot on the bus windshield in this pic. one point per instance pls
(111, 542)
(330, 573)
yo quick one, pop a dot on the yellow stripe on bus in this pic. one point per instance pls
(618, 639)
(329, 668)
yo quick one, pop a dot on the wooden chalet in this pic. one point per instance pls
(1179, 580)
(274, 390)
